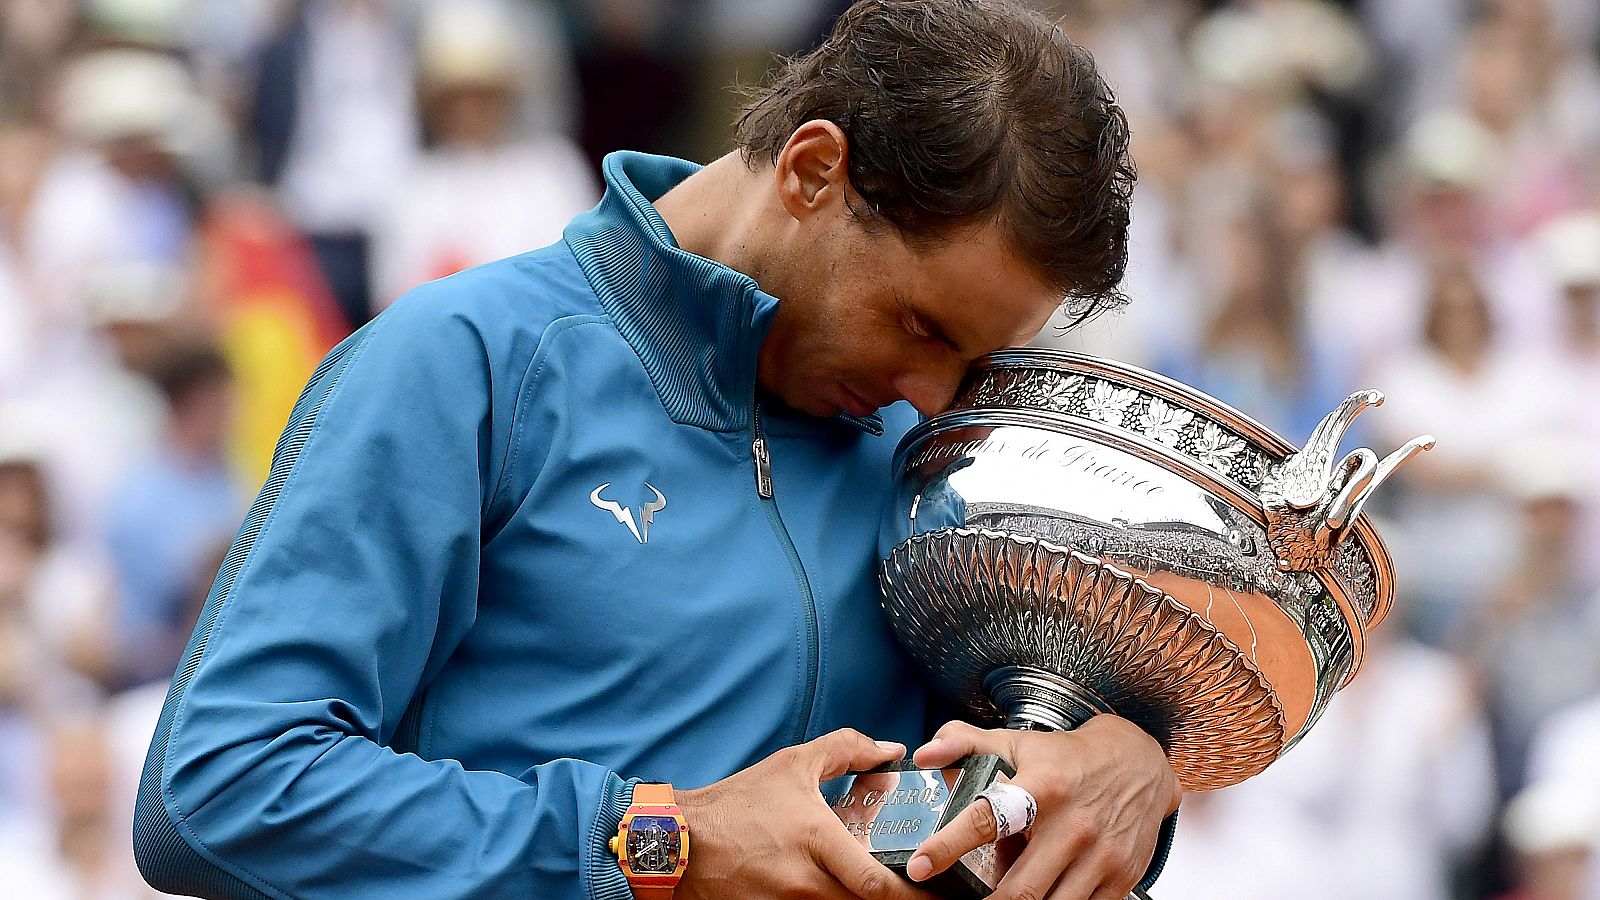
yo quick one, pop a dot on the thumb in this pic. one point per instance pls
(848, 750)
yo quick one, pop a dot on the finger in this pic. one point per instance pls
(1076, 890)
(826, 888)
(1089, 878)
(1037, 872)
(970, 829)
(1104, 862)
(848, 750)
(958, 739)
(843, 857)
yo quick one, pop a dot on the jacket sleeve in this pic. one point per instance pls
(353, 577)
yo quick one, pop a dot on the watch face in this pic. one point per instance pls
(653, 845)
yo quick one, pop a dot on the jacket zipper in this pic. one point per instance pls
(760, 452)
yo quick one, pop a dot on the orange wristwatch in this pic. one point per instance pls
(652, 843)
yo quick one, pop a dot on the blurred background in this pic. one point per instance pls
(198, 198)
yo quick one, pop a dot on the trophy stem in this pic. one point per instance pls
(1036, 700)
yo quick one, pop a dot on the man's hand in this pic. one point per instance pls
(1102, 791)
(767, 832)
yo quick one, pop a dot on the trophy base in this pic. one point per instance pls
(891, 810)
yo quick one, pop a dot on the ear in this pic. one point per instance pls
(812, 172)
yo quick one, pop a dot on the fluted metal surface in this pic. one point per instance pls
(1015, 600)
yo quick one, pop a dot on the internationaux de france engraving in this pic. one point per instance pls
(1066, 454)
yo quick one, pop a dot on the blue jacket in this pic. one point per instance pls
(512, 554)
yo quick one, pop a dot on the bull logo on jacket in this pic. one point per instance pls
(624, 514)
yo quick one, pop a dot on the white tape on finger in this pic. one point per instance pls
(1014, 808)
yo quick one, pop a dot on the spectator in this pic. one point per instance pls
(1255, 352)
(1569, 249)
(46, 627)
(1564, 751)
(92, 409)
(69, 854)
(1535, 647)
(1381, 800)
(482, 192)
(20, 750)
(1440, 215)
(58, 594)
(1552, 832)
(335, 120)
(1453, 519)
(1508, 70)
(33, 37)
(171, 511)
(634, 74)
(126, 199)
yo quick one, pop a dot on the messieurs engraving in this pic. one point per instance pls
(1075, 456)
(890, 827)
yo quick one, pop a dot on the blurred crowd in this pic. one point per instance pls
(1400, 194)
(198, 198)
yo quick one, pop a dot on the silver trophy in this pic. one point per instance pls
(1077, 536)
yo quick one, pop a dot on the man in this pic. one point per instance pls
(606, 513)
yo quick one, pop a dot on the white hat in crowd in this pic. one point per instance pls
(1449, 148)
(470, 42)
(133, 291)
(21, 436)
(1551, 817)
(1546, 467)
(107, 95)
(1569, 247)
(150, 22)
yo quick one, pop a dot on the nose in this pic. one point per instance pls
(929, 393)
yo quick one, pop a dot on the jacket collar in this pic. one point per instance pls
(695, 324)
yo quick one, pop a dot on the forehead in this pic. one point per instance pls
(983, 294)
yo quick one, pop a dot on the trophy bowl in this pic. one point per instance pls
(1077, 536)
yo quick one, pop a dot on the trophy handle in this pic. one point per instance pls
(1311, 496)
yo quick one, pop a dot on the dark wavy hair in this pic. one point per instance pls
(963, 111)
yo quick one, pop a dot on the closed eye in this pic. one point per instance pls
(922, 327)
(909, 320)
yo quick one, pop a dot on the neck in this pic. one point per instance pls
(1464, 359)
(717, 213)
(1585, 335)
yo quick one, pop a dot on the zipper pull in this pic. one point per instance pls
(763, 468)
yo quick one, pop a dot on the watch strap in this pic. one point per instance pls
(648, 794)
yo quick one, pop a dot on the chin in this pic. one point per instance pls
(812, 406)
(822, 409)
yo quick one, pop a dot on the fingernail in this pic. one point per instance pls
(931, 744)
(891, 745)
(919, 868)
